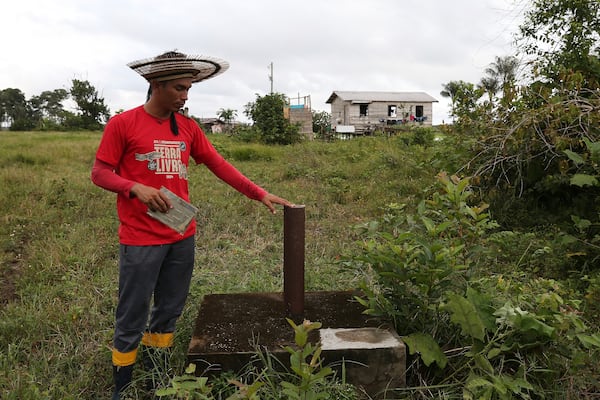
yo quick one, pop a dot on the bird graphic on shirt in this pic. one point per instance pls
(151, 156)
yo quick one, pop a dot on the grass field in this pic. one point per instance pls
(58, 242)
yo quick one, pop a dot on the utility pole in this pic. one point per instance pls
(271, 76)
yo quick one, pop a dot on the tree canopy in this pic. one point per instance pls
(93, 113)
(562, 36)
(268, 116)
(14, 110)
(47, 110)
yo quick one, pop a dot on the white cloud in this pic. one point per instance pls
(316, 46)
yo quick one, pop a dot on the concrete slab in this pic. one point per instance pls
(230, 327)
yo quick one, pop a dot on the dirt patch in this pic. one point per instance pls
(11, 264)
(9, 272)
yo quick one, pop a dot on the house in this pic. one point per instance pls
(361, 113)
(213, 125)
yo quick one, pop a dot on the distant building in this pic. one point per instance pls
(298, 111)
(213, 125)
(361, 113)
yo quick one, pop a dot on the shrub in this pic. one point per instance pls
(485, 335)
(423, 136)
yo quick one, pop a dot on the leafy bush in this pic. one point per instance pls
(485, 335)
(423, 136)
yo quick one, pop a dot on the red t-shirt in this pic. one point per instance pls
(142, 148)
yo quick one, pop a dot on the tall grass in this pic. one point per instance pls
(58, 242)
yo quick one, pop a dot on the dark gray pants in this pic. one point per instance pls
(164, 272)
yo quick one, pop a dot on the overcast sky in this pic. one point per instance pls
(316, 46)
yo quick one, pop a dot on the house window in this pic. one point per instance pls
(364, 110)
(392, 111)
(418, 111)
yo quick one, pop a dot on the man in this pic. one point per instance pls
(141, 151)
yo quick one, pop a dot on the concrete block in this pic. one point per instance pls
(374, 359)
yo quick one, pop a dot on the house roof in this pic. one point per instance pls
(211, 121)
(368, 97)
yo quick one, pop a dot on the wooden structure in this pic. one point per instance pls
(368, 111)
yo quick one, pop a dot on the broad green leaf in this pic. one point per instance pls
(300, 337)
(593, 147)
(463, 313)
(189, 385)
(471, 212)
(528, 322)
(584, 179)
(576, 158)
(462, 184)
(567, 239)
(483, 305)
(427, 347)
(495, 352)
(589, 341)
(322, 373)
(443, 226)
(429, 225)
(483, 363)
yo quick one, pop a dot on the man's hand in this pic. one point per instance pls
(152, 197)
(270, 199)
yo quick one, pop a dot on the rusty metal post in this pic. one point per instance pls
(293, 260)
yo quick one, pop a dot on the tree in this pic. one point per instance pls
(93, 111)
(450, 90)
(463, 97)
(504, 71)
(48, 110)
(490, 85)
(321, 122)
(267, 114)
(14, 110)
(228, 115)
(563, 36)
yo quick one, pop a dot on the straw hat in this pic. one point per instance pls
(174, 65)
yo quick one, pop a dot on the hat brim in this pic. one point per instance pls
(198, 68)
